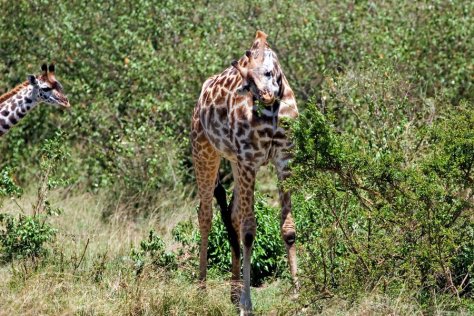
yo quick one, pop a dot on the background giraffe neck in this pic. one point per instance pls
(7, 95)
(15, 104)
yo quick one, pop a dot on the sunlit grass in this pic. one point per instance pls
(89, 272)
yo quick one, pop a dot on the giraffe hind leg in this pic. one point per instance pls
(287, 224)
(226, 214)
(226, 211)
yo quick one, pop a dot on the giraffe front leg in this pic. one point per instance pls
(236, 284)
(206, 164)
(248, 227)
(287, 224)
(234, 207)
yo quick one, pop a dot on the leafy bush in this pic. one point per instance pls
(153, 249)
(268, 256)
(188, 236)
(385, 188)
(24, 236)
(133, 72)
(7, 185)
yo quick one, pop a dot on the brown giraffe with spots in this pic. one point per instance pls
(16, 103)
(238, 117)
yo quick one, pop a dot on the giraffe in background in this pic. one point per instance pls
(237, 116)
(16, 103)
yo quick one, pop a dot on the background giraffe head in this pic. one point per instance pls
(49, 89)
(260, 71)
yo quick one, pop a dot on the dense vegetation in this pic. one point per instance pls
(383, 159)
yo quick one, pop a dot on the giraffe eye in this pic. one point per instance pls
(46, 89)
(268, 74)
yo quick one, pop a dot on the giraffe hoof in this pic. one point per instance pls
(245, 306)
(235, 299)
(294, 296)
(202, 285)
(245, 313)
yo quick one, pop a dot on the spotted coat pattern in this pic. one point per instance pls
(240, 116)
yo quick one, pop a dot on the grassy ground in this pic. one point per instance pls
(90, 272)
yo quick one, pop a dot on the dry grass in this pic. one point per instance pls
(118, 293)
(90, 272)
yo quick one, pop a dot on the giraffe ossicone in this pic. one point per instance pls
(237, 117)
(43, 88)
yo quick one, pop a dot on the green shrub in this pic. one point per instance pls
(133, 72)
(268, 256)
(24, 237)
(7, 185)
(384, 180)
(187, 235)
(153, 249)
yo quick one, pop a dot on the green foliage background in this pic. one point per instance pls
(384, 145)
(133, 70)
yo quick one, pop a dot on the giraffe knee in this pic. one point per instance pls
(248, 239)
(289, 237)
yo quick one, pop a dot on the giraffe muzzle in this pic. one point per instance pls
(65, 104)
(266, 97)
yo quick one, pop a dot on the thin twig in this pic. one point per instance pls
(346, 236)
(82, 256)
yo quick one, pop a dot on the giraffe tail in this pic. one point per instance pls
(226, 211)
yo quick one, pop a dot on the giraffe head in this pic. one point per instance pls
(260, 71)
(47, 88)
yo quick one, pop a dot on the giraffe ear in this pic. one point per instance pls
(261, 35)
(259, 45)
(50, 74)
(281, 88)
(243, 71)
(32, 80)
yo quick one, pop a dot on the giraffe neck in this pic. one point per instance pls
(16, 106)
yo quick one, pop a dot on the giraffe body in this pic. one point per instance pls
(16, 103)
(238, 116)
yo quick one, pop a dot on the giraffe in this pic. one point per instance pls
(238, 116)
(16, 103)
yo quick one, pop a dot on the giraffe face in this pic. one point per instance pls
(52, 94)
(262, 80)
(50, 90)
(261, 75)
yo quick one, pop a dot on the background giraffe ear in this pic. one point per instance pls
(50, 74)
(32, 80)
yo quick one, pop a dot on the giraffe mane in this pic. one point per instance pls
(13, 91)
